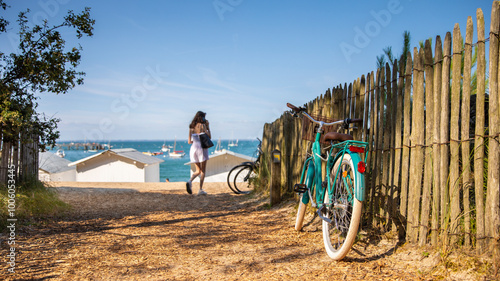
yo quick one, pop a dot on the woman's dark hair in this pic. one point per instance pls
(198, 118)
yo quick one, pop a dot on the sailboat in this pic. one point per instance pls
(233, 143)
(60, 153)
(166, 147)
(218, 148)
(176, 154)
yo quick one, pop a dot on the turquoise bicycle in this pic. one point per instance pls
(339, 195)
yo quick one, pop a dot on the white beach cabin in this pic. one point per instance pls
(118, 165)
(54, 168)
(219, 165)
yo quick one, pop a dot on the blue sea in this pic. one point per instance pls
(172, 168)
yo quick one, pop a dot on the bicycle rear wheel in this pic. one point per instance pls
(231, 176)
(343, 209)
(243, 179)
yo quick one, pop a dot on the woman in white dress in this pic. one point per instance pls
(198, 155)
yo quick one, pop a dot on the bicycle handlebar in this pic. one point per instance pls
(302, 110)
(294, 108)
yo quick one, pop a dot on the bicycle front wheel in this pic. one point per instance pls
(243, 179)
(301, 211)
(299, 221)
(343, 209)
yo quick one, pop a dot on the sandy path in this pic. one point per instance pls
(129, 231)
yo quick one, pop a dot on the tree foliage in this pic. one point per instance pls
(42, 63)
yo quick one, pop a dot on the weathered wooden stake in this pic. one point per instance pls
(466, 161)
(405, 164)
(429, 113)
(455, 184)
(436, 147)
(492, 208)
(417, 152)
(445, 134)
(275, 188)
(479, 139)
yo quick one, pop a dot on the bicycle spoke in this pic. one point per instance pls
(239, 178)
(243, 179)
(339, 209)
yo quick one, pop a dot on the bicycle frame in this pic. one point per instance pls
(343, 185)
(313, 166)
(255, 164)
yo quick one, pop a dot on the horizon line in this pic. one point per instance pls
(151, 140)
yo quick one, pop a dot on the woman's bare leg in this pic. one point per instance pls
(197, 172)
(203, 167)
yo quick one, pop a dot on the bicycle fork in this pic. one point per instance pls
(310, 181)
(307, 182)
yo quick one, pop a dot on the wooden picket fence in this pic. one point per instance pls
(434, 139)
(19, 159)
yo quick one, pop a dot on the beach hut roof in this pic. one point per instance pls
(129, 153)
(227, 152)
(52, 163)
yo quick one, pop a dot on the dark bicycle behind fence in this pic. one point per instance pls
(241, 176)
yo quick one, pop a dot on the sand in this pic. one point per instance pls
(156, 231)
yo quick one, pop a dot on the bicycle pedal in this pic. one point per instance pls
(300, 188)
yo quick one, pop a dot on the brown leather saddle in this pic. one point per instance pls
(334, 136)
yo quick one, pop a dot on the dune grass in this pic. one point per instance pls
(34, 201)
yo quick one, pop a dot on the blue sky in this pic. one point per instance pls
(151, 65)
